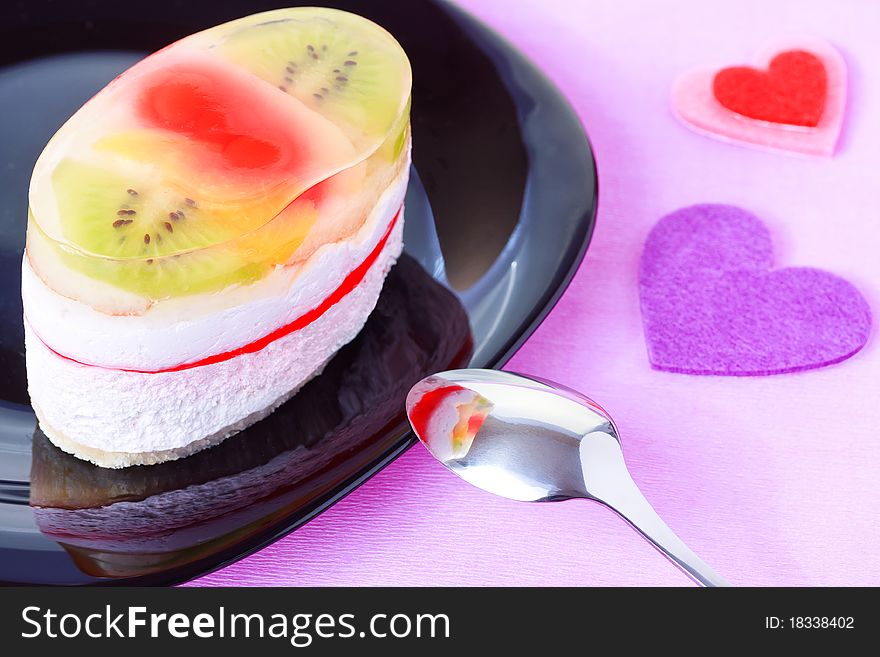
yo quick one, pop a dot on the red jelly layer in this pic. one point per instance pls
(350, 283)
(205, 105)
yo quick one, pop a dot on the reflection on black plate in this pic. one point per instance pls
(136, 521)
(500, 210)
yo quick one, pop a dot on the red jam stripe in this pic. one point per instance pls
(350, 283)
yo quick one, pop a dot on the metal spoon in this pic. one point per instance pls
(536, 441)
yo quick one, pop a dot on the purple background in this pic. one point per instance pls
(772, 480)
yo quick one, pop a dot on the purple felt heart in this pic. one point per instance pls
(712, 305)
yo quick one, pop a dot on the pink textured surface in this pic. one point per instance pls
(772, 480)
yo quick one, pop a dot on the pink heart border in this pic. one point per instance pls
(694, 104)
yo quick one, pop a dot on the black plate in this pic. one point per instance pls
(500, 211)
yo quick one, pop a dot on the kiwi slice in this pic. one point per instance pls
(108, 214)
(144, 237)
(152, 241)
(341, 65)
(150, 278)
(179, 275)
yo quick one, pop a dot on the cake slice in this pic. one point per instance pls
(209, 229)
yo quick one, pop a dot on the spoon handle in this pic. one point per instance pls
(608, 481)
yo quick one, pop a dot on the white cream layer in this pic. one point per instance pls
(128, 415)
(189, 329)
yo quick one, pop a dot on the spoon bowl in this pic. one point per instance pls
(532, 440)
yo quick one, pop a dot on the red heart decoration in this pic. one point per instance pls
(792, 91)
